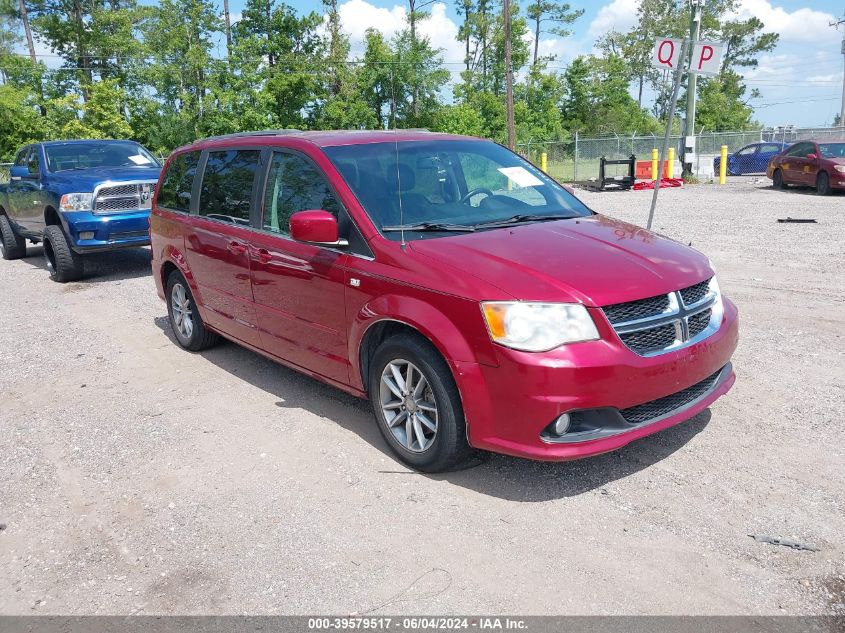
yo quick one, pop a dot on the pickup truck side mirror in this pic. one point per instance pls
(16, 172)
(315, 226)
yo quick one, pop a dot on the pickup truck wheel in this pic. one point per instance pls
(417, 404)
(185, 320)
(62, 262)
(12, 245)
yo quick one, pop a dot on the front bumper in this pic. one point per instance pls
(111, 232)
(509, 407)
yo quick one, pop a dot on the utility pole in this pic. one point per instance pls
(509, 75)
(842, 110)
(689, 126)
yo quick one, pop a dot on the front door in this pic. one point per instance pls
(299, 288)
(794, 162)
(25, 195)
(217, 242)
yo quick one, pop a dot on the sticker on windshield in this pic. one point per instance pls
(521, 176)
(140, 160)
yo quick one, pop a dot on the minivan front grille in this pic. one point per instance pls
(650, 411)
(656, 325)
(122, 197)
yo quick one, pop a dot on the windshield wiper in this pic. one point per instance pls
(428, 226)
(520, 218)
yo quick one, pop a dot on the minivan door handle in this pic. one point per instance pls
(236, 247)
(264, 256)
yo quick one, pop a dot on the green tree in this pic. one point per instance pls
(542, 13)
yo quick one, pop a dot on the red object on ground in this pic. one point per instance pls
(665, 182)
(643, 169)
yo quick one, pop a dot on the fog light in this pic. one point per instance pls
(561, 425)
(86, 235)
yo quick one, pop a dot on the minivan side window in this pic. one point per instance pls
(175, 191)
(226, 192)
(294, 184)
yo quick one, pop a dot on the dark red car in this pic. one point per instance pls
(469, 296)
(819, 164)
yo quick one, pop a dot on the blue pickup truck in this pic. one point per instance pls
(77, 197)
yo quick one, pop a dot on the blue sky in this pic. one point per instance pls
(800, 81)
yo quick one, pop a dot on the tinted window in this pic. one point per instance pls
(175, 191)
(20, 160)
(801, 149)
(226, 191)
(771, 148)
(33, 162)
(295, 184)
(745, 151)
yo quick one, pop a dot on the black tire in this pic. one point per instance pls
(823, 184)
(63, 263)
(197, 337)
(12, 245)
(777, 180)
(448, 447)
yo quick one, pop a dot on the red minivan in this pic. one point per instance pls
(476, 302)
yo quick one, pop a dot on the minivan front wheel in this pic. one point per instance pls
(185, 320)
(417, 404)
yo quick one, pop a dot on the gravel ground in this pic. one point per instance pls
(139, 478)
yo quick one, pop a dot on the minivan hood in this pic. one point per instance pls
(594, 260)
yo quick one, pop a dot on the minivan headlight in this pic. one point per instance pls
(537, 327)
(76, 202)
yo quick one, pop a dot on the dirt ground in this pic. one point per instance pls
(139, 478)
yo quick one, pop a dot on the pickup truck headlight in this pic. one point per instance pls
(537, 327)
(76, 202)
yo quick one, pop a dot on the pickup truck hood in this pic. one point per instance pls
(83, 180)
(593, 260)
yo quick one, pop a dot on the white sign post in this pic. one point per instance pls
(667, 53)
(707, 58)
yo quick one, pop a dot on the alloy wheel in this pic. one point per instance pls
(181, 311)
(408, 405)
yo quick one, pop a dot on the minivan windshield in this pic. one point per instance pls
(93, 154)
(439, 187)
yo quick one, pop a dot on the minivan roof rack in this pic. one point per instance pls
(248, 134)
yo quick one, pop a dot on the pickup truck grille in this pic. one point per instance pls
(123, 197)
(660, 324)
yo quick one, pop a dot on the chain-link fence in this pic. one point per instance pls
(748, 152)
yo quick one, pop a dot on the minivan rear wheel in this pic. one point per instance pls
(417, 405)
(185, 320)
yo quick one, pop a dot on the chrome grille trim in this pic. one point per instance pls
(123, 196)
(693, 322)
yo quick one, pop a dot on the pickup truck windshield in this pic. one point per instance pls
(92, 155)
(441, 186)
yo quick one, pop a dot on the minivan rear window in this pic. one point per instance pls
(226, 192)
(175, 191)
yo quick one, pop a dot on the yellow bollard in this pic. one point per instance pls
(654, 159)
(670, 169)
(723, 165)
(544, 162)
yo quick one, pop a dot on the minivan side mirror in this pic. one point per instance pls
(316, 227)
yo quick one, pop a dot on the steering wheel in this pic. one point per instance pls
(475, 192)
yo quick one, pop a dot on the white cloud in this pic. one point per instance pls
(356, 16)
(619, 15)
(801, 25)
